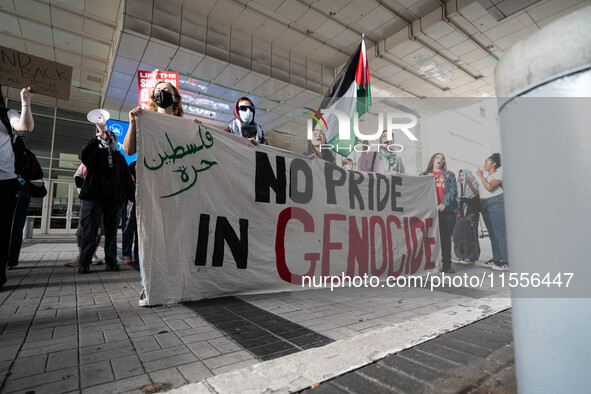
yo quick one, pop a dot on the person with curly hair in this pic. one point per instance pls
(166, 99)
(447, 205)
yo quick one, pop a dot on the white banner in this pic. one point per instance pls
(219, 216)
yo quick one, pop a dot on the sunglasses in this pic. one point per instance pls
(245, 107)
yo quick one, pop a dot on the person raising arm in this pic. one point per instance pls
(165, 99)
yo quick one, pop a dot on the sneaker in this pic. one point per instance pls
(83, 269)
(112, 267)
(143, 298)
(96, 260)
(501, 266)
(487, 264)
(127, 260)
(74, 262)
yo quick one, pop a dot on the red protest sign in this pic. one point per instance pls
(146, 80)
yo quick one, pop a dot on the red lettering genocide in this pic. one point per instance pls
(365, 235)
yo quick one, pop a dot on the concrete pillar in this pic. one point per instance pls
(544, 89)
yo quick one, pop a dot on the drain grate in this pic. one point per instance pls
(262, 333)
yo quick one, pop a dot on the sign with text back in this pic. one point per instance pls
(20, 70)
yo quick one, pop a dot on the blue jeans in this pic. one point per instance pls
(20, 217)
(493, 213)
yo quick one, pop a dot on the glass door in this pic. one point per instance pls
(64, 207)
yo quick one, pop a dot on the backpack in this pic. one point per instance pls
(26, 164)
(32, 169)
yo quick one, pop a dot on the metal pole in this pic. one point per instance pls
(544, 89)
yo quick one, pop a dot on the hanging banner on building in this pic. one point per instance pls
(20, 70)
(219, 216)
(146, 80)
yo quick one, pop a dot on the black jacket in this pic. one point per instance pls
(111, 185)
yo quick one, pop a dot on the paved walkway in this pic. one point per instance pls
(65, 332)
(477, 358)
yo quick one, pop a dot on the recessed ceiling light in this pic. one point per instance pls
(332, 13)
(490, 46)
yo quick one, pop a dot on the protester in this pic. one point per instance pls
(493, 211)
(466, 244)
(79, 177)
(244, 124)
(12, 125)
(382, 160)
(165, 99)
(129, 227)
(348, 164)
(33, 171)
(447, 191)
(107, 184)
(314, 149)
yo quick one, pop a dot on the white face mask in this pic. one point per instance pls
(246, 116)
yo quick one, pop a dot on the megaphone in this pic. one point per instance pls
(99, 117)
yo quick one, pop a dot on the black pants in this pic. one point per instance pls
(20, 218)
(90, 217)
(8, 198)
(447, 222)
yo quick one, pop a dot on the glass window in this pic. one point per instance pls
(39, 140)
(70, 137)
(36, 108)
(65, 175)
(36, 206)
(64, 113)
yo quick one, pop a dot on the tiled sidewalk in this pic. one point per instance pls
(477, 358)
(61, 331)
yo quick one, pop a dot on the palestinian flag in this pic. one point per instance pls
(350, 93)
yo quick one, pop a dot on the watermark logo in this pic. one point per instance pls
(317, 116)
(331, 120)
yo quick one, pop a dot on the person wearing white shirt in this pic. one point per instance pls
(11, 126)
(492, 202)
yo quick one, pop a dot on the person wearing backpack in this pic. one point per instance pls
(12, 125)
(465, 236)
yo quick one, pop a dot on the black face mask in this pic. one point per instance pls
(163, 99)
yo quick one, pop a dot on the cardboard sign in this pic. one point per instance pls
(20, 70)
(146, 80)
(218, 216)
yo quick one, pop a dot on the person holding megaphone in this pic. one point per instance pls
(107, 184)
